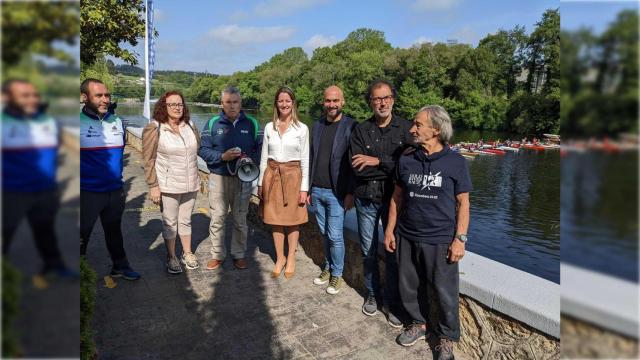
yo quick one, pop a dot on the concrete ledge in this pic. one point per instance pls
(71, 138)
(522, 296)
(518, 294)
(602, 300)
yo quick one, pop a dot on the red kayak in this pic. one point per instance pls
(534, 147)
(495, 151)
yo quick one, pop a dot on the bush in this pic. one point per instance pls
(87, 305)
(10, 306)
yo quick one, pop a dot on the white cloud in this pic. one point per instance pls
(272, 8)
(234, 35)
(465, 35)
(317, 41)
(421, 40)
(437, 5)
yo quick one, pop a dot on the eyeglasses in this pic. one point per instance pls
(378, 100)
(175, 105)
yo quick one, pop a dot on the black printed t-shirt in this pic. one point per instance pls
(430, 184)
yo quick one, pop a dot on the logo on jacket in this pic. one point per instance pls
(220, 131)
(244, 131)
(432, 180)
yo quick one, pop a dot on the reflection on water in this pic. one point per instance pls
(599, 212)
(514, 204)
(515, 207)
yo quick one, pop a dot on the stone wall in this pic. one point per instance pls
(583, 340)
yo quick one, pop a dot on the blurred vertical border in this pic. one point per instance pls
(41, 315)
(599, 179)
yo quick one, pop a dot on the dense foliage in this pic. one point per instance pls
(32, 28)
(599, 79)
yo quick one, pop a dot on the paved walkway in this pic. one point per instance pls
(224, 314)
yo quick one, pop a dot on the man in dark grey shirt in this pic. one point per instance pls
(332, 184)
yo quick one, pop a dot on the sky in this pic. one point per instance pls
(595, 15)
(229, 36)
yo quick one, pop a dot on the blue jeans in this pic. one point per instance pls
(330, 218)
(369, 214)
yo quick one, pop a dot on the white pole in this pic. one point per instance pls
(146, 112)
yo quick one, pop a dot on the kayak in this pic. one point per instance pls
(508, 148)
(534, 147)
(468, 153)
(550, 146)
(494, 151)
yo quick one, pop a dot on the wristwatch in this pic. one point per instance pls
(462, 237)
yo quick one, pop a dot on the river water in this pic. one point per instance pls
(515, 203)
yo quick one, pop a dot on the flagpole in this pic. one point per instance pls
(146, 112)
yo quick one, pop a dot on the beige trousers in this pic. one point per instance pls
(225, 192)
(176, 213)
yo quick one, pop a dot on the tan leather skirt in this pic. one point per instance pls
(280, 194)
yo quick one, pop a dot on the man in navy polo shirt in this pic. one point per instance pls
(225, 138)
(430, 206)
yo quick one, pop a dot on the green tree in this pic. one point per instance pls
(33, 28)
(105, 24)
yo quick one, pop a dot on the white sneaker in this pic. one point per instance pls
(173, 266)
(190, 261)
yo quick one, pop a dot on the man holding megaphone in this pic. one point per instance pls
(230, 145)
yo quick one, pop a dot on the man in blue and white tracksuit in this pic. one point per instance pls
(102, 140)
(30, 141)
(224, 138)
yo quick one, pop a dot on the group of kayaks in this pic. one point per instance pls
(624, 143)
(471, 150)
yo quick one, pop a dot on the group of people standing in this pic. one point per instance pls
(400, 173)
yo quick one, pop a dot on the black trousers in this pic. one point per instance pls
(109, 206)
(429, 286)
(40, 209)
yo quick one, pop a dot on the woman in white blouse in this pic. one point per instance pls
(284, 178)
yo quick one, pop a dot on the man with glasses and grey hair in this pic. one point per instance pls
(225, 138)
(429, 211)
(376, 145)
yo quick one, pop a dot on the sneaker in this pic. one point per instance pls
(392, 319)
(324, 277)
(335, 285)
(411, 335)
(60, 272)
(173, 266)
(125, 273)
(445, 350)
(370, 307)
(190, 261)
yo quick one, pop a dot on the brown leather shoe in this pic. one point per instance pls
(240, 264)
(214, 264)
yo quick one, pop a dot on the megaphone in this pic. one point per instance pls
(247, 170)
